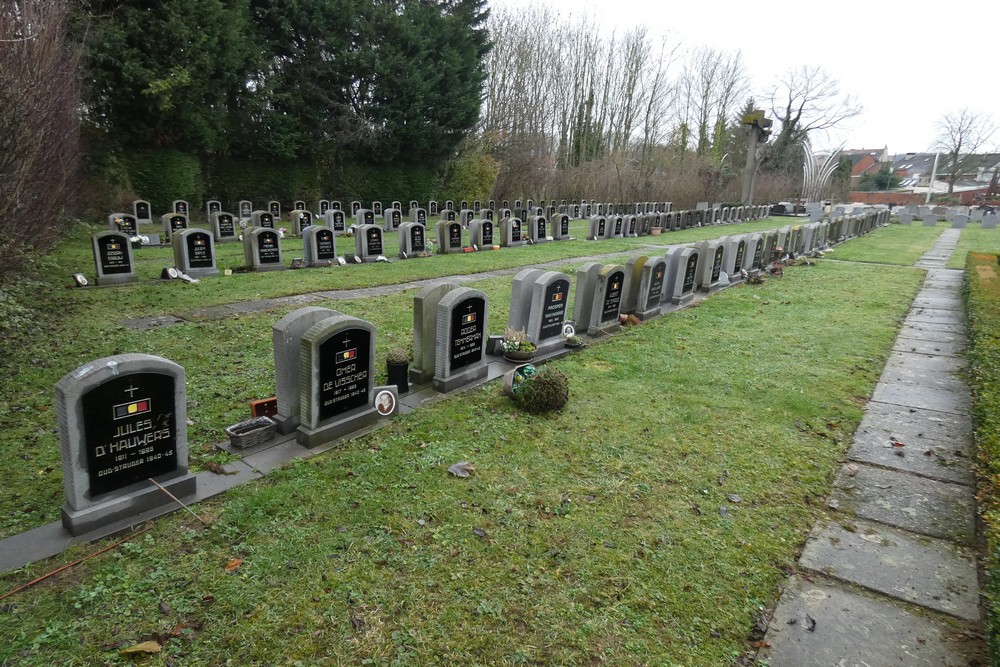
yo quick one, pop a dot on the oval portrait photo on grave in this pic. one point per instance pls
(385, 403)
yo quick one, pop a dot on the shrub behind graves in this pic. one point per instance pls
(165, 174)
(547, 391)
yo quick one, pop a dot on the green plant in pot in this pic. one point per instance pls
(397, 366)
(515, 345)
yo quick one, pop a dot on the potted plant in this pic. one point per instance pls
(516, 346)
(397, 365)
(574, 341)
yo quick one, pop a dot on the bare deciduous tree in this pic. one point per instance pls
(960, 135)
(39, 130)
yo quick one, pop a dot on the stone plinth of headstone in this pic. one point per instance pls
(521, 289)
(393, 219)
(122, 422)
(710, 268)
(262, 219)
(512, 233)
(337, 379)
(180, 206)
(538, 229)
(301, 220)
(460, 359)
(224, 227)
(142, 211)
(274, 208)
(173, 222)
(113, 258)
(449, 237)
(734, 257)
(126, 223)
(335, 219)
(990, 221)
(368, 244)
(262, 249)
(286, 337)
(194, 253)
(412, 239)
(425, 304)
(245, 208)
(481, 234)
(547, 310)
(319, 246)
(682, 272)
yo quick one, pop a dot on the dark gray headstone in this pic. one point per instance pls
(113, 258)
(286, 338)
(462, 318)
(194, 253)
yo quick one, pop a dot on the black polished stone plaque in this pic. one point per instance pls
(564, 226)
(395, 219)
(355, 207)
(266, 220)
(127, 225)
(373, 241)
(305, 220)
(554, 313)
(113, 255)
(486, 233)
(199, 250)
(540, 231)
(432, 207)
(338, 220)
(601, 227)
(656, 285)
(129, 430)
(758, 254)
(369, 218)
(142, 211)
(422, 216)
(449, 206)
(741, 249)
(299, 205)
(417, 238)
(631, 225)
(377, 207)
(455, 236)
(343, 372)
(618, 225)
(449, 215)
(515, 230)
(717, 264)
(245, 209)
(325, 247)
(181, 207)
(613, 296)
(324, 206)
(692, 266)
(268, 250)
(214, 207)
(226, 225)
(177, 223)
(468, 322)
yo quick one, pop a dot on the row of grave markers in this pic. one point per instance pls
(123, 422)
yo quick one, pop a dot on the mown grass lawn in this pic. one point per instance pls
(646, 523)
(902, 245)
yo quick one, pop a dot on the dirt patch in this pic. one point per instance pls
(986, 272)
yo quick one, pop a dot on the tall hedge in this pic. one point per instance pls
(165, 174)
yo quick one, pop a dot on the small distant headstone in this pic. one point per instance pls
(393, 219)
(335, 219)
(990, 221)
(180, 206)
(396, 205)
(449, 237)
(538, 229)
(122, 421)
(262, 219)
(212, 206)
(461, 338)
(142, 211)
(368, 242)
(929, 218)
(322, 206)
(335, 205)
(245, 208)
(377, 208)
(481, 234)
(631, 228)
(598, 228)
(487, 214)
(173, 222)
(711, 268)
(448, 215)
(477, 206)
(125, 223)
(194, 253)
(959, 221)
(449, 205)
(337, 366)
(274, 208)
(355, 207)
(492, 205)
(465, 216)
(364, 216)
(906, 218)
(262, 249)
(301, 220)
(734, 257)
(682, 273)
(511, 233)
(113, 258)
(560, 227)
(418, 215)
(319, 246)
(223, 227)
(432, 207)
(615, 228)
(412, 237)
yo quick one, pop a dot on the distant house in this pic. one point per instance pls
(864, 160)
(915, 169)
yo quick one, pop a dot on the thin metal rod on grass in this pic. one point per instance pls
(178, 501)
(73, 564)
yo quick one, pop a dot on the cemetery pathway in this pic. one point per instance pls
(244, 307)
(889, 575)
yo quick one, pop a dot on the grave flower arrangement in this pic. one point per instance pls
(515, 342)
(537, 391)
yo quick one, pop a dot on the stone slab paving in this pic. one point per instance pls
(889, 577)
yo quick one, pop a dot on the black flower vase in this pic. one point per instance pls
(399, 375)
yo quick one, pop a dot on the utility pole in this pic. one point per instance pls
(760, 130)
(930, 188)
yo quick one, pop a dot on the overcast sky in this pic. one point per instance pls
(908, 63)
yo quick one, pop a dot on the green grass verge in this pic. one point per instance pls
(974, 239)
(902, 245)
(982, 297)
(645, 523)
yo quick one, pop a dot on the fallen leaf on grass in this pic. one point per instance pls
(479, 532)
(144, 647)
(461, 469)
(234, 564)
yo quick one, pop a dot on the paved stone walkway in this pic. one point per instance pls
(889, 576)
